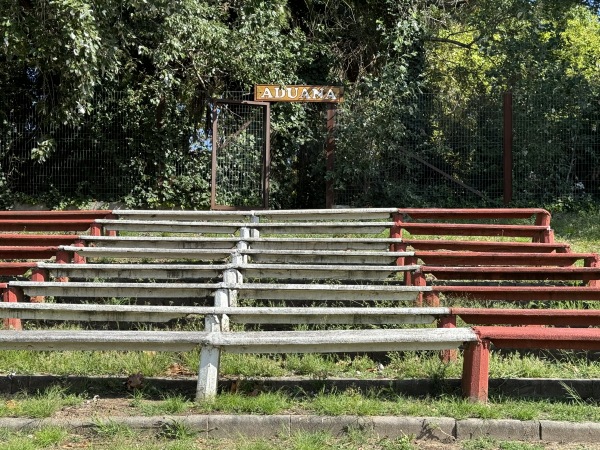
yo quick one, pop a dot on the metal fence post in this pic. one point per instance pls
(507, 150)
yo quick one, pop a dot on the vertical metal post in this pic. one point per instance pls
(329, 153)
(267, 154)
(476, 369)
(12, 294)
(214, 149)
(507, 151)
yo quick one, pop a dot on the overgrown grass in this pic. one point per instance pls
(385, 402)
(405, 365)
(39, 405)
(352, 401)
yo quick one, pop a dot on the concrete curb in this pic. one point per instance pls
(440, 429)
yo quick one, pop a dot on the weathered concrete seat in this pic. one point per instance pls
(89, 312)
(324, 341)
(195, 291)
(162, 271)
(136, 271)
(192, 291)
(200, 254)
(323, 256)
(279, 243)
(330, 228)
(273, 256)
(323, 272)
(324, 292)
(259, 215)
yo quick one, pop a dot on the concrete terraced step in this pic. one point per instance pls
(262, 291)
(206, 271)
(280, 243)
(257, 315)
(299, 215)
(234, 227)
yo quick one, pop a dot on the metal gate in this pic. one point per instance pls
(240, 154)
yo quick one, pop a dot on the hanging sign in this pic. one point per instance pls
(298, 93)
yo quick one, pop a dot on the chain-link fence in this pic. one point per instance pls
(450, 152)
(556, 148)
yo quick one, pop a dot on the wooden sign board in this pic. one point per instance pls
(298, 93)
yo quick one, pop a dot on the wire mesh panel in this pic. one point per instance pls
(88, 158)
(240, 154)
(556, 148)
(443, 152)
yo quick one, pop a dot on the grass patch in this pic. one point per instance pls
(171, 404)
(40, 405)
(260, 403)
(385, 402)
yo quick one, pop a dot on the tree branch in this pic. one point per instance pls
(451, 41)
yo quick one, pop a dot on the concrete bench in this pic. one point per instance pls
(281, 243)
(324, 256)
(255, 315)
(190, 291)
(46, 271)
(475, 380)
(323, 341)
(541, 216)
(259, 215)
(197, 291)
(277, 256)
(199, 254)
(220, 294)
(330, 228)
(324, 272)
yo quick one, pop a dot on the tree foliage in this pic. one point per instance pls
(132, 82)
